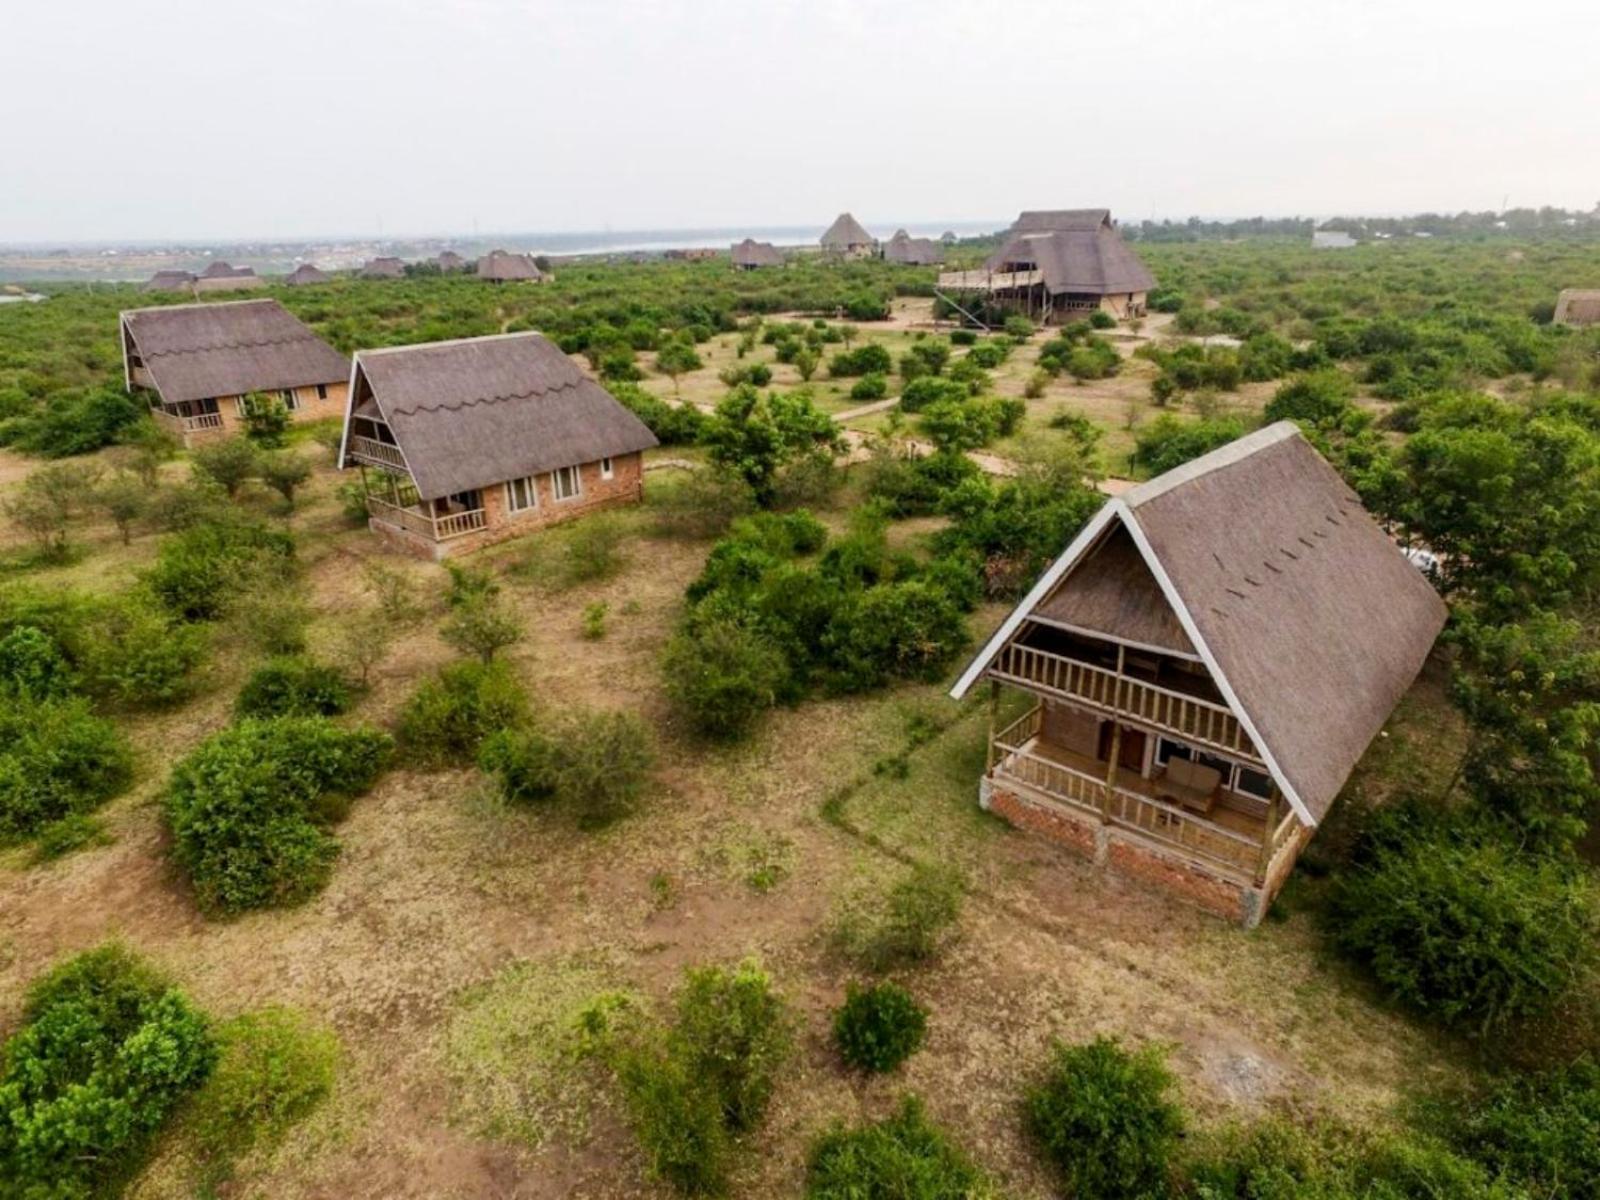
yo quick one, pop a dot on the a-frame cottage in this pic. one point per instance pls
(464, 443)
(1207, 661)
(200, 364)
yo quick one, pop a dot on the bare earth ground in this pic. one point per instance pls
(456, 936)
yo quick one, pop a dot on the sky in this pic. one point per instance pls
(211, 119)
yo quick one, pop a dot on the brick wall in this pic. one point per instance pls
(311, 409)
(1179, 879)
(1064, 828)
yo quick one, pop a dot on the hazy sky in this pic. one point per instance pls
(278, 118)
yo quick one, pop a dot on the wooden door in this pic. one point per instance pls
(1130, 755)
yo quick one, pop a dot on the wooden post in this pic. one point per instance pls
(1274, 818)
(1116, 736)
(994, 709)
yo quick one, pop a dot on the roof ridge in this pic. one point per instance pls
(417, 346)
(495, 399)
(238, 345)
(1224, 456)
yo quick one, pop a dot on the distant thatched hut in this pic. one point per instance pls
(220, 277)
(449, 260)
(749, 255)
(916, 252)
(304, 275)
(501, 266)
(170, 281)
(847, 239)
(384, 267)
(1578, 307)
(468, 442)
(1059, 265)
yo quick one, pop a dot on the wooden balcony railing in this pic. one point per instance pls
(1198, 722)
(436, 529)
(378, 453)
(192, 424)
(1204, 840)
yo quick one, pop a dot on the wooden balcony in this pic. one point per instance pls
(376, 453)
(437, 529)
(181, 425)
(1234, 843)
(1197, 721)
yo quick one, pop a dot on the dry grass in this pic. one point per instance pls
(457, 938)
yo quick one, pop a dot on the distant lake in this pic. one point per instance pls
(29, 297)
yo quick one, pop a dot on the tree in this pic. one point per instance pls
(229, 462)
(805, 362)
(124, 498)
(284, 471)
(754, 433)
(481, 623)
(677, 358)
(266, 419)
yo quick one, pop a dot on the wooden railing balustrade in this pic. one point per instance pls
(374, 451)
(436, 529)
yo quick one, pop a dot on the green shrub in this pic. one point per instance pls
(1101, 319)
(228, 462)
(593, 549)
(916, 485)
(106, 1052)
(869, 387)
(735, 1033)
(274, 1068)
(266, 419)
(929, 390)
(594, 620)
(1018, 327)
(132, 653)
(1541, 1130)
(911, 922)
(700, 504)
(32, 665)
(1316, 397)
(1104, 1118)
(481, 622)
(594, 763)
(57, 759)
(199, 568)
(1464, 928)
(903, 1157)
(677, 1119)
(293, 686)
(71, 833)
(1169, 442)
(79, 423)
(722, 677)
(673, 424)
(249, 809)
(868, 358)
(449, 716)
(879, 1027)
(963, 337)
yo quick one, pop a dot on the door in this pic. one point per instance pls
(1130, 755)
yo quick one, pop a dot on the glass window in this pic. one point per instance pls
(291, 399)
(606, 468)
(1167, 750)
(1253, 783)
(322, 391)
(564, 483)
(521, 495)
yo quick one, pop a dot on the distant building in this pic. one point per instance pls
(1331, 239)
(916, 252)
(199, 362)
(1059, 265)
(750, 255)
(500, 266)
(464, 443)
(847, 239)
(170, 281)
(384, 267)
(304, 275)
(449, 260)
(1578, 307)
(220, 277)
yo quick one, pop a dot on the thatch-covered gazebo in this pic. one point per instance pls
(847, 239)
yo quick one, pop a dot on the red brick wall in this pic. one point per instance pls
(1186, 882)
(1061, 827)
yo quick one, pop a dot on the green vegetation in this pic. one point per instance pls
(907, 924)
(878, 1027)
(293, 687)
(903, 1157)
(449, 716)
(274, 1068)
(595, 764)
(57, 761)
(250, 809)
(106, 1052)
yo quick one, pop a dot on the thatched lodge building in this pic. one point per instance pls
(1057, 266)
(305, 275)
(220, 277)
(464, 443)
(501, 266)
(915, 252)
(1206, 663)
(170, 281)
(1578, 307)
(751, 255)
(200, 362)
(846, 238)
(448, 261)
(384, 267)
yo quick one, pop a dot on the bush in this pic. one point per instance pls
(879, 1027)
(266, 419)
(449, 716)
(910, 924)
(57, 759)
(677, 1119)
(989, 355)
(593, 549)
(922, 393)
(869, 358)
(901, 630)
(79, 424)
(228, 462)
(916, 485)
(722, 676)
(1169, 442)
(132, 653)
(198, 569)
(596, 764)
(1018, 326)
(32, 665)
(275, 1067)
(963, 337)
(1463, 927)
(869, 387)
(903, 1157)
(1103, 1116)
(735, 1033)
(293, 686)
(673, 424)
(1317, 397)
(106, 1052)
(482, 623)
(701, 504)
(1541, 1130)
(249, 808)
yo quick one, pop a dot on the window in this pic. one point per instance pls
(290, 398)
(1253, 783)
(1236, 777)
(564, 483)
(322, 391)
(607, 468)
(521, 495)
(241, 406)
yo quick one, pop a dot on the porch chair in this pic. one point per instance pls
(1189, 784)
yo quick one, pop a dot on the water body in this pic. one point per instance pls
(25, 298)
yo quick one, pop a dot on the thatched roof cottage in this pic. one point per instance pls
(909, 251)
(750, 255)
(501, 266)
(449, 260)
(846, 238)
(220, 277)
(1578, 307)
(170, 281)
(200, 362)
(305, 275)
(384, 267)
(1208, 660)
(464, 443)
(1059, 265)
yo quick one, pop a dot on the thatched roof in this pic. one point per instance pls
(917, 252)
(305, 274)
(1578, 306)
(1311, 622)
(201, 351)
(1062, 220)
(221, 270)
(170, 281)
(751, 253)
(449, 260)
(845, 232)
(480, 411)
(1091, 258)
(384, 267)
(503, 266)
